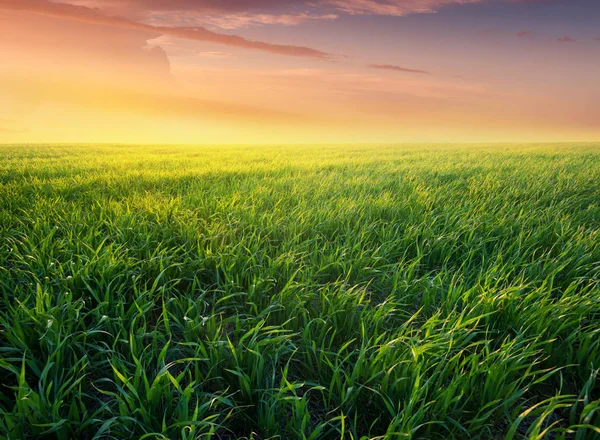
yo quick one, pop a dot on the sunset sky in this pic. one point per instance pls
(299, 71)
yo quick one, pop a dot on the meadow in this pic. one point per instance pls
(300, 292)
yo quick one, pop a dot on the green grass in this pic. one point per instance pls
(347, 292)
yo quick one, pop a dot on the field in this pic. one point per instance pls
(348, 292)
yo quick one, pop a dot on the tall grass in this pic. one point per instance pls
(346, 292)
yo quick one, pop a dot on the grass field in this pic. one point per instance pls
(351, 292)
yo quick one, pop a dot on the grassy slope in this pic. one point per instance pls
(335, 292)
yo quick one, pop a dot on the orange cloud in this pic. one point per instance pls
(38, 42)
(91, 16)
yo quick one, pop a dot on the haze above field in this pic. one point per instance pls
(293, 71)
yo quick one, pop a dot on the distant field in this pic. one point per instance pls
(350, 292)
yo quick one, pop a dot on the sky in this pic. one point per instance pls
(299, 71)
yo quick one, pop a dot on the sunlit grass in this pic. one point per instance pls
(300, 292)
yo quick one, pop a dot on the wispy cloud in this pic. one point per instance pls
(93, 94)
(232, 20)
(567, 40)
(393, 8)
(526, 34)
(213, 54)
(198, 33)
(397, 68)
(234, 14)
(531, 1)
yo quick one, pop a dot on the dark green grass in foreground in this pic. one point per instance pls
(301, 292)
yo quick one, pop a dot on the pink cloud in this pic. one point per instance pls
(567, 40)
(233, 20)
(525, 34)
(394, 8)
(396, 68)
(241, 13)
